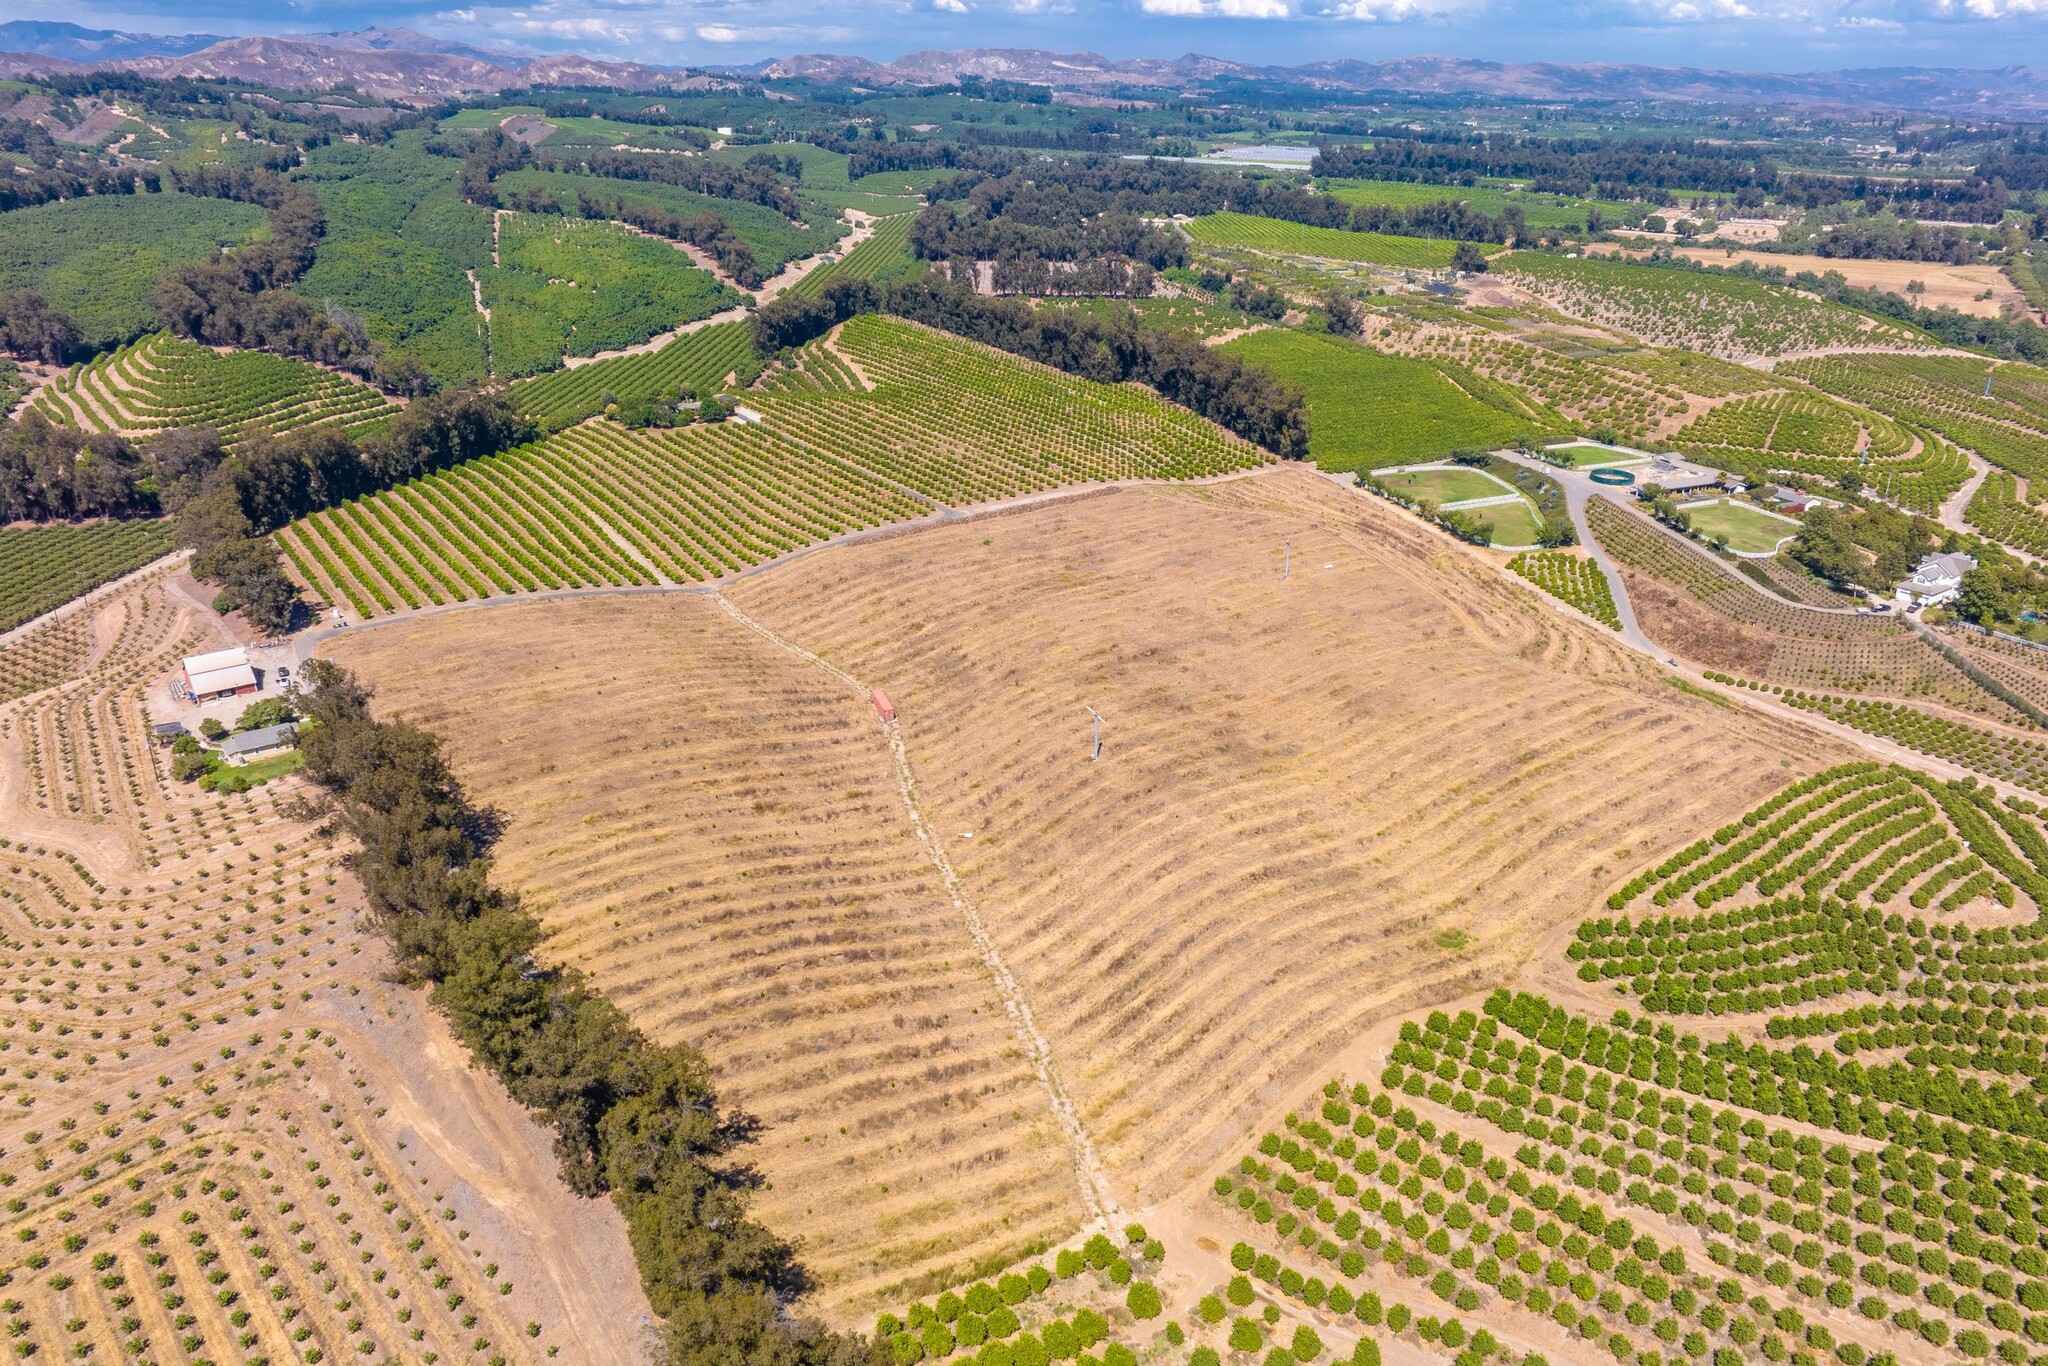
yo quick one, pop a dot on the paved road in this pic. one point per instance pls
(1578, 489)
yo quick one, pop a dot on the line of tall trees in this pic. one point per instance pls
(706, 231)
(491, 154)
(633, 1119)
(1604, 168)
(1112, 276)
(30, 327)
(1074, 210)
(1894, 239)
(228, 503)
(1970, 199)
(1242, 398)
(867, 156)
(59, 173)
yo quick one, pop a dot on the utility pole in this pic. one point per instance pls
(1097, 754)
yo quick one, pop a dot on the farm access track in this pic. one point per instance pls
(1088, 1169)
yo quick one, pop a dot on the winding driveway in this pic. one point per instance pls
(1577, 490)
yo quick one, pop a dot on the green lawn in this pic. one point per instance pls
(1445, 486)
(1514, 524)
(1588, 457)
(226, 777)
(1367, 410)
(1745, 529)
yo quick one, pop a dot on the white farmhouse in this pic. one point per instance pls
(1935, 581)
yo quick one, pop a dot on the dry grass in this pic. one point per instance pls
(1306, 785)
(713, 829)
(1371, 786)
(1954, 286)
(225, 1135)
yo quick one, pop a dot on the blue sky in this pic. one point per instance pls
(1778, 35)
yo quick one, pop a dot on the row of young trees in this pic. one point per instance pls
(226, 503)
(639, 1121)
(1239, 397)
(2020, 337)
(227, 513)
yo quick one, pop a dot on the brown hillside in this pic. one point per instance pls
(1312, 792)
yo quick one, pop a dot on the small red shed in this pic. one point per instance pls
(884, 708)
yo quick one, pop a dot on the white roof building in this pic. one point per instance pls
(223, 671)
(243, 746)
(1936, 579)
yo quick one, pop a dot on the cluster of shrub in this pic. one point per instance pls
(633, 1119)
(1866, 546)
(1241, 398)
(670, 408)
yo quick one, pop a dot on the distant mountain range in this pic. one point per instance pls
(2007, 92)
(391, 63)
(397, 63)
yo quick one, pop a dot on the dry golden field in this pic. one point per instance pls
(223, 1133)
(1957, 287)
(1321, 800)
(714, 831)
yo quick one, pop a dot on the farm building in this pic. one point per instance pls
(167, 732)
(224, 673)
(1936, 580)
(1677, 476)
(246, 745)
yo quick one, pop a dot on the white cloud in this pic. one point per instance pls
(1380, 11)
(1229, 9)
(950, 6)
(720, 33)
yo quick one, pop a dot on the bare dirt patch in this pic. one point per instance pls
(1368, 786)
